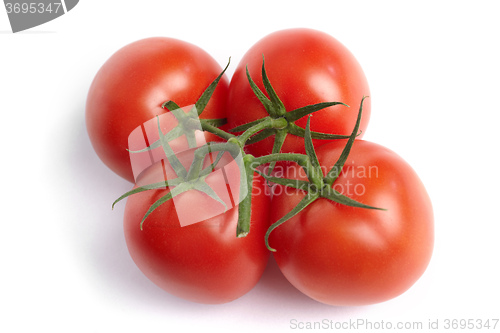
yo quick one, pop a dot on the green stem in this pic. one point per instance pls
(300, 159)
(215, 130)
(306, 201)
(279, 139)
(245, 205)
(268, 122)
(200, 154)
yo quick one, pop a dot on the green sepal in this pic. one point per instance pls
(187, 126)
(268, 105)
(198, 185)
(154, 186)
(334, 172)
(216, 122)
(309, 145)
(306, 201)
(306, 110)
(202, 102)
(333, 195)
(212, 165)
(179, 169)
(176, 132)
(299, 131)
(170, 105)
(181, 188)
(203, 187)
(276, 104)
(172, 135)
(261, 135)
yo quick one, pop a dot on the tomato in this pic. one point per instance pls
(305, 67)
(203, 262)
(342, 255)
(130, 87)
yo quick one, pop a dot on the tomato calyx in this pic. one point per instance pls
(194, 178)
(276, 110)
(317, 186)
(284, 121)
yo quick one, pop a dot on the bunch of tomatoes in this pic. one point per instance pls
(348, 221)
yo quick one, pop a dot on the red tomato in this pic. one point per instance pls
(342, 255)
(305, 67)
(203, 262)
(130, 87)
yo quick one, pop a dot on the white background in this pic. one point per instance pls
(433, 69)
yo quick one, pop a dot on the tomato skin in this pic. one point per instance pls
(204, 262)
(130, 87)
(305, 67)
(342, 255)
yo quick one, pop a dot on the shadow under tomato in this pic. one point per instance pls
(277, 292)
